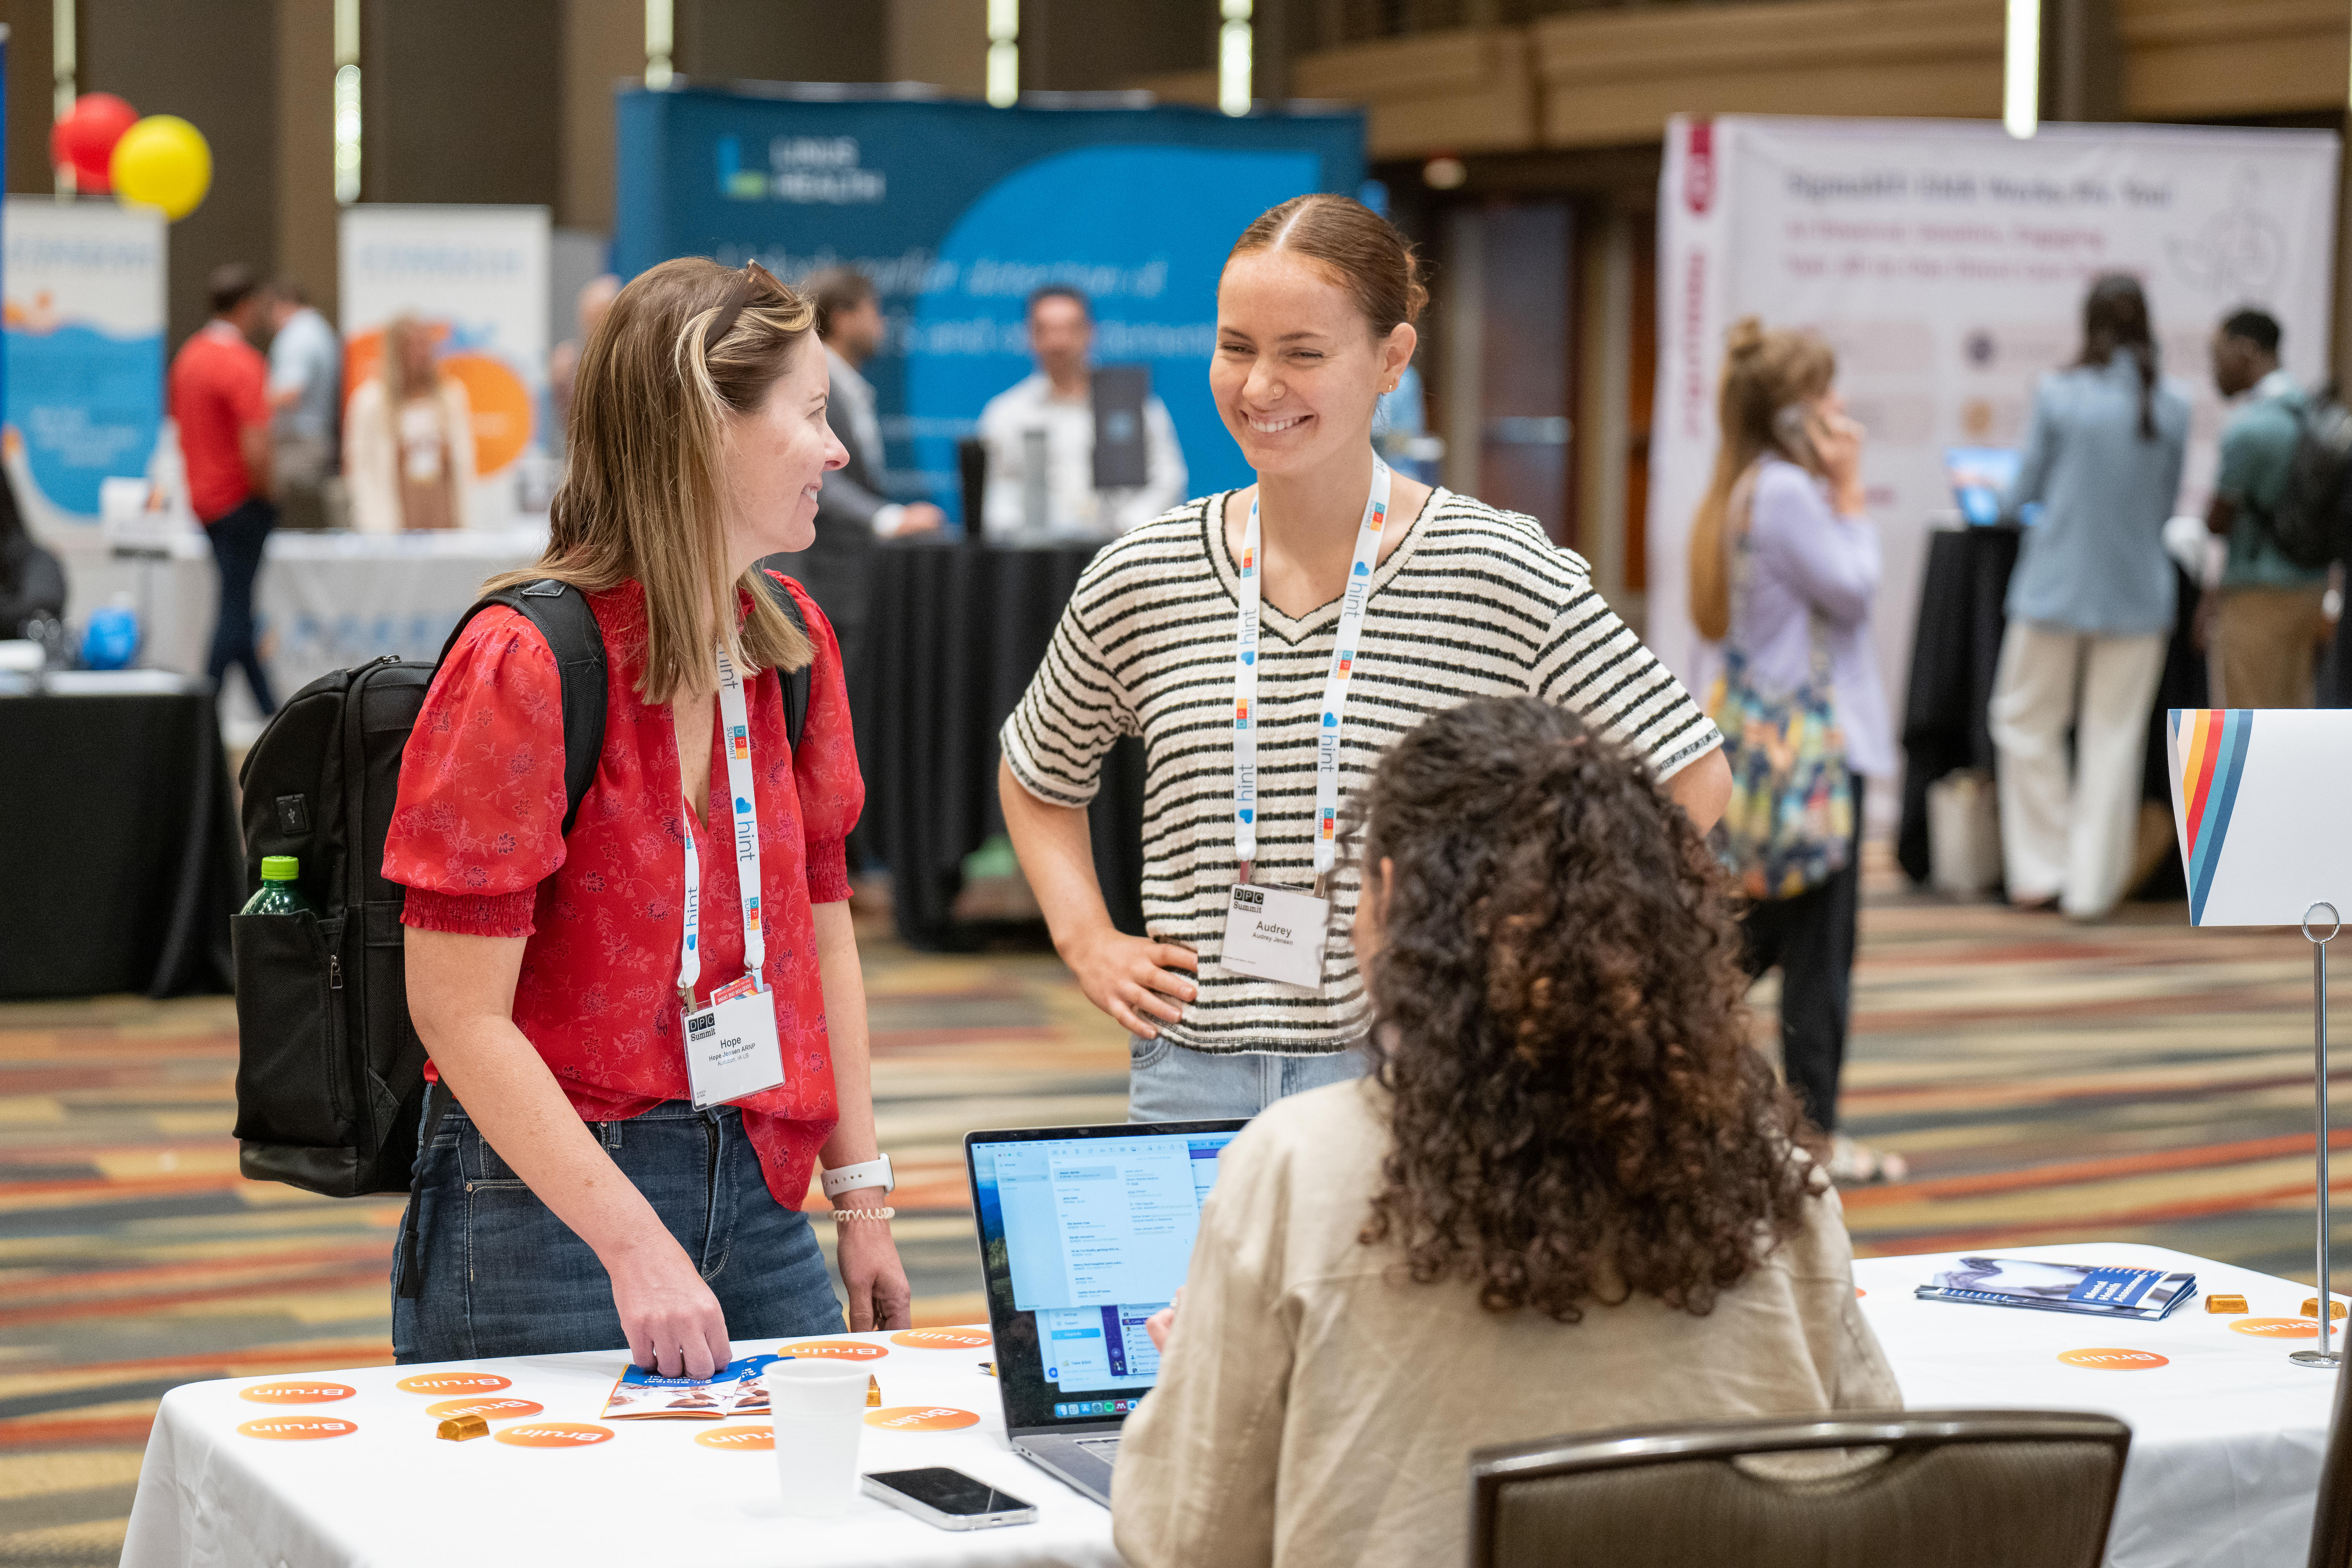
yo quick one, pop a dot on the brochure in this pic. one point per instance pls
(2143, 1294)
(737, 1389)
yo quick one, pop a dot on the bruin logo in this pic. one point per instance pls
(298, 1428)
(921, 1418)
(833, 1350)
(737, 1438)
(488, 1409)
(941, 1338)
(2112, 1359)
(2277, 1328)
(297, 1392)
(555, 1435)
(453, 1382)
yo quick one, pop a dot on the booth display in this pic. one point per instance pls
(1946, 262)
(2226, 1442)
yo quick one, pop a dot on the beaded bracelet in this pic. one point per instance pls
(883, 1211)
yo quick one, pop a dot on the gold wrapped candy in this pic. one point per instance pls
(2225, 1303)
(458, 1428)
(873, 1392)
(2310, 1308)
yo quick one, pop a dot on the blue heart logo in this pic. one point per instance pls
(1363, 570)
(1330, 723)
(1248, 815)
(1248, 658)
(742, 805)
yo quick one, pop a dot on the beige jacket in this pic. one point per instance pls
(372, 454)
(1310, 1410)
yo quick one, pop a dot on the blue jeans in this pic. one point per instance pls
(238, 539)
(502, 1276)
(1168, 1082)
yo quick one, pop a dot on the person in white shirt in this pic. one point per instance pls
(306, 397)
(1057, 402)
(852, 510)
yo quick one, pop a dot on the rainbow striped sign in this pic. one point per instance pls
(2208, 747)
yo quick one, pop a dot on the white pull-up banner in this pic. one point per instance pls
(1947, 263)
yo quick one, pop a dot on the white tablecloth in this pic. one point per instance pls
(2226, 1447)
(324, 601)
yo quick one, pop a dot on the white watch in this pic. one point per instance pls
(871, 1172)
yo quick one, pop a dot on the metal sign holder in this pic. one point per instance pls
(2324, 1356)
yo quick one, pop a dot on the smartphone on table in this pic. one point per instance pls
(949, 1499)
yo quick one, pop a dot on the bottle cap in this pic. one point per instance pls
(279, 868)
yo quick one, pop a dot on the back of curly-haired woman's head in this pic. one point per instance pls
(1555, 976)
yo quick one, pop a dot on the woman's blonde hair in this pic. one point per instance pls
(1764, 371)
(396, 338)
(643, 494)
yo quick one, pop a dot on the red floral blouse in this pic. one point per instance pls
(477, 839)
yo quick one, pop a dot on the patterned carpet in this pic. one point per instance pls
(2134, 1080)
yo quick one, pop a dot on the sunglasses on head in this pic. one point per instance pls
(754, 279)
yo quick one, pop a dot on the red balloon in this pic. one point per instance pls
(84, 138)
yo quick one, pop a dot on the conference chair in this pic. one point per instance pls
(1930, 1489)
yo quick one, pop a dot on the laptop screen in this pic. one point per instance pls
(1083, 1233)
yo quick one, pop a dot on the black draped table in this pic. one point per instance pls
(119, 855)
(953, 633)
(1954, 653)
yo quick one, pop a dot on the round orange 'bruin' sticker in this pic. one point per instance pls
(295, 1428)
(745, 1439)
(920, 1418)
(833, 1350)
(488, 1409)
(453, 1382)
(2277, 1328)
(554, 1435)
(2110, 1359)
(941, 1338)
(287, 1393)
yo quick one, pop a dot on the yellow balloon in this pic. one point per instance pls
(162, 162)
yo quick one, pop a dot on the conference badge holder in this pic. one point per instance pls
(732, 1050)
(1273, 933)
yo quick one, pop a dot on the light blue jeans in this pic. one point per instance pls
(1168, 1082)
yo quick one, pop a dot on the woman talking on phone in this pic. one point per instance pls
(1783, 566)
(647, 1031)
(1268, 644)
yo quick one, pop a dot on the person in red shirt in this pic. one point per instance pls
(220, 401)
(600, 1171)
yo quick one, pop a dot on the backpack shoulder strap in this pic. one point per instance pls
(795, 683)
(560, 612)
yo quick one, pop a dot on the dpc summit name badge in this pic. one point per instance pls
(2259, 799)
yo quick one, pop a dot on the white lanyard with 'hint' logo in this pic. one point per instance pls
(731, 1046)
(1271, 932)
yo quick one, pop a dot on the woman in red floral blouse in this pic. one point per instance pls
(573, 1196)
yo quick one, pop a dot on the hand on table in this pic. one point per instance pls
(1162, 1323)
(1133, 978)
(873, 1278)
(673, 1321)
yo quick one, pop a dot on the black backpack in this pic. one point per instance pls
(329, 1072)
(2312, 524)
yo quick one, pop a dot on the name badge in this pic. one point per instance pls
(1275, 933)
(731, 1049)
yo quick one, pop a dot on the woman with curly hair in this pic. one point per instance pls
(1568, 1198)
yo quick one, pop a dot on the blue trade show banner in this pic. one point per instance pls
(956, 211)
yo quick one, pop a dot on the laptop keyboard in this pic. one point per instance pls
(1103, 1449)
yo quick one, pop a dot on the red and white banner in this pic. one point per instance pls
(1947, 263)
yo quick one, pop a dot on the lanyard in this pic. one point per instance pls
(1335, 685)
(736, 721)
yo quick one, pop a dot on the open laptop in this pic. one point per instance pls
(1085, 1232)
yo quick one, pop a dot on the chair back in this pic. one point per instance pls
(1951, 1488)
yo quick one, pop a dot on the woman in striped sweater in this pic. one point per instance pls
(1268, 644)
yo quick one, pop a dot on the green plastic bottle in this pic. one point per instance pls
(278, 895)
